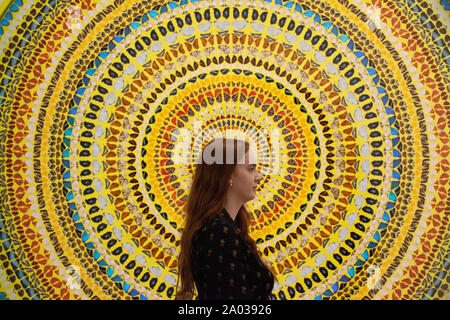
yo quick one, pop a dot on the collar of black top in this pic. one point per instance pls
(226, 216)
(224, 213)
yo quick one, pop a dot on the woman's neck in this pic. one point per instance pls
(232, 209)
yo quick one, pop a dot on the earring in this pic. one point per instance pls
(231, 185)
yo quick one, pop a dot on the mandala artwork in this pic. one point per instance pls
(347, 102)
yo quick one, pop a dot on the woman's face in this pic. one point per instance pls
(245, 178)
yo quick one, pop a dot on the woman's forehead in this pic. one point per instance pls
(250, 157)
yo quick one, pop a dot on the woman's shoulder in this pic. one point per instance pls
(215, 224)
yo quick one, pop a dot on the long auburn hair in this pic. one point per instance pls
(206, 198)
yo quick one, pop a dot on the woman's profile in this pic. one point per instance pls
(218, 258)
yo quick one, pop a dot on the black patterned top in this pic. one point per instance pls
(224, 266)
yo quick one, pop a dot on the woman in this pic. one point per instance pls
(218, 256)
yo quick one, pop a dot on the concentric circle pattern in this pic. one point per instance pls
(105, 104)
